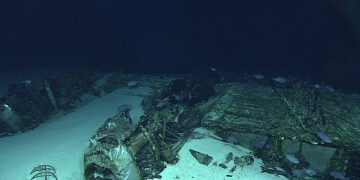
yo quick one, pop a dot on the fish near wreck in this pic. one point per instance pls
(338, 175)
(232, 139)
(132, 83)
(298, 172)
(304, 172)
(258, 76)
(310, 171)
(292, 158)
(124, 108)
(228, 139)
(193, 135)
(280, 80)
(161, 104)
(323, 136)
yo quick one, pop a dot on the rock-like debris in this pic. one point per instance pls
(201, 157)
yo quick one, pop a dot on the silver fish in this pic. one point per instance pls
(258, 76)
(124, 108)
(280, 80)
(232, 139)
(323, 136)
(292, 158)
(310, 171)
(338, 175)
(132, 83)
(196, 135)
(161, 104)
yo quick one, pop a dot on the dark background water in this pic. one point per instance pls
(314, 39)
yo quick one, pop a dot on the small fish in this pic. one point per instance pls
(196, 135)
(292, 158)
(166, 84)
(213, 69)
(280, 80)
(26, 82)
(132, 83)
(232, 139)
(298, 172)
(323, 136)
(310, 171)
(161, 104)
(124, 108)
(190, 96)
(329, 88)
(229, 157)
(193, 135)
(258, 76)
(153, 110)
(338, 175)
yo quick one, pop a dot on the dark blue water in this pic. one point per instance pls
(310, 39)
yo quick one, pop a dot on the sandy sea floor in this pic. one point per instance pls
(61, 142)
(189, 168)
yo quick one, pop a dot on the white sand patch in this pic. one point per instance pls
(189, 168)
(61, 142)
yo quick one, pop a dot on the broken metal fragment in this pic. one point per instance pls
(201, 158)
